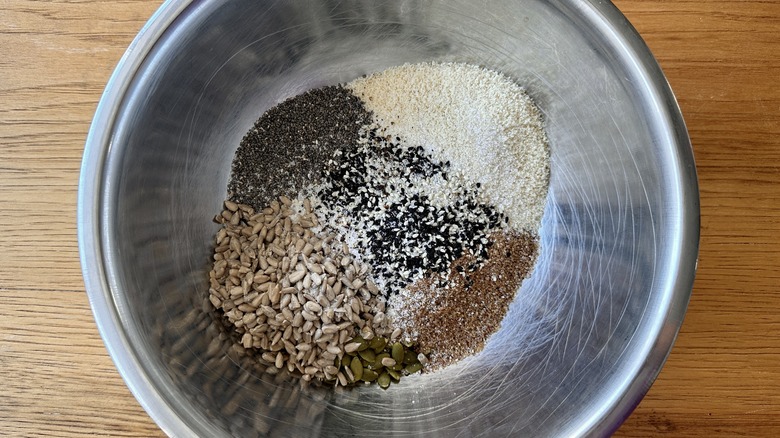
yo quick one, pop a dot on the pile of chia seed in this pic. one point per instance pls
(290, 145)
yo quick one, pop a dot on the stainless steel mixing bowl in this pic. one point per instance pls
(588, 331)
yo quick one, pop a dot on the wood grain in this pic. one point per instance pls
(723, 61)
(57, 379)
(721, 57)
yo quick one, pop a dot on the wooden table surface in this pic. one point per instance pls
(721, 57)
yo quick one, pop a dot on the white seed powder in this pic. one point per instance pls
(481, 121)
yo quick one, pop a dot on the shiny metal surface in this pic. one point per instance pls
(588, 331)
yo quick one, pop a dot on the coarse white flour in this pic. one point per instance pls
(479, 120)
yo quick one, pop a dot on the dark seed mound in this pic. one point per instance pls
(291, 143)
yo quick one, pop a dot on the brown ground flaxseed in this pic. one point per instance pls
(460, 311)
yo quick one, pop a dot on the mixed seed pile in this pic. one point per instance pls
(348, 254)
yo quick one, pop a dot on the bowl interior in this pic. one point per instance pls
(588, 331)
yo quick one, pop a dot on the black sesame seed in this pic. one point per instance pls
(406, 235)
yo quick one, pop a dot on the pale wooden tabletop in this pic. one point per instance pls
(721, 57)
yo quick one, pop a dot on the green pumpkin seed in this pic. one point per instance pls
(357, 368)
(398, 352)
(396, 367)
(378, 360)
(413, 368)
(346, 360)
(383, 380)
(394, 374)
(367, 355)
(369, 376)
(378, 344)
(410, 357)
